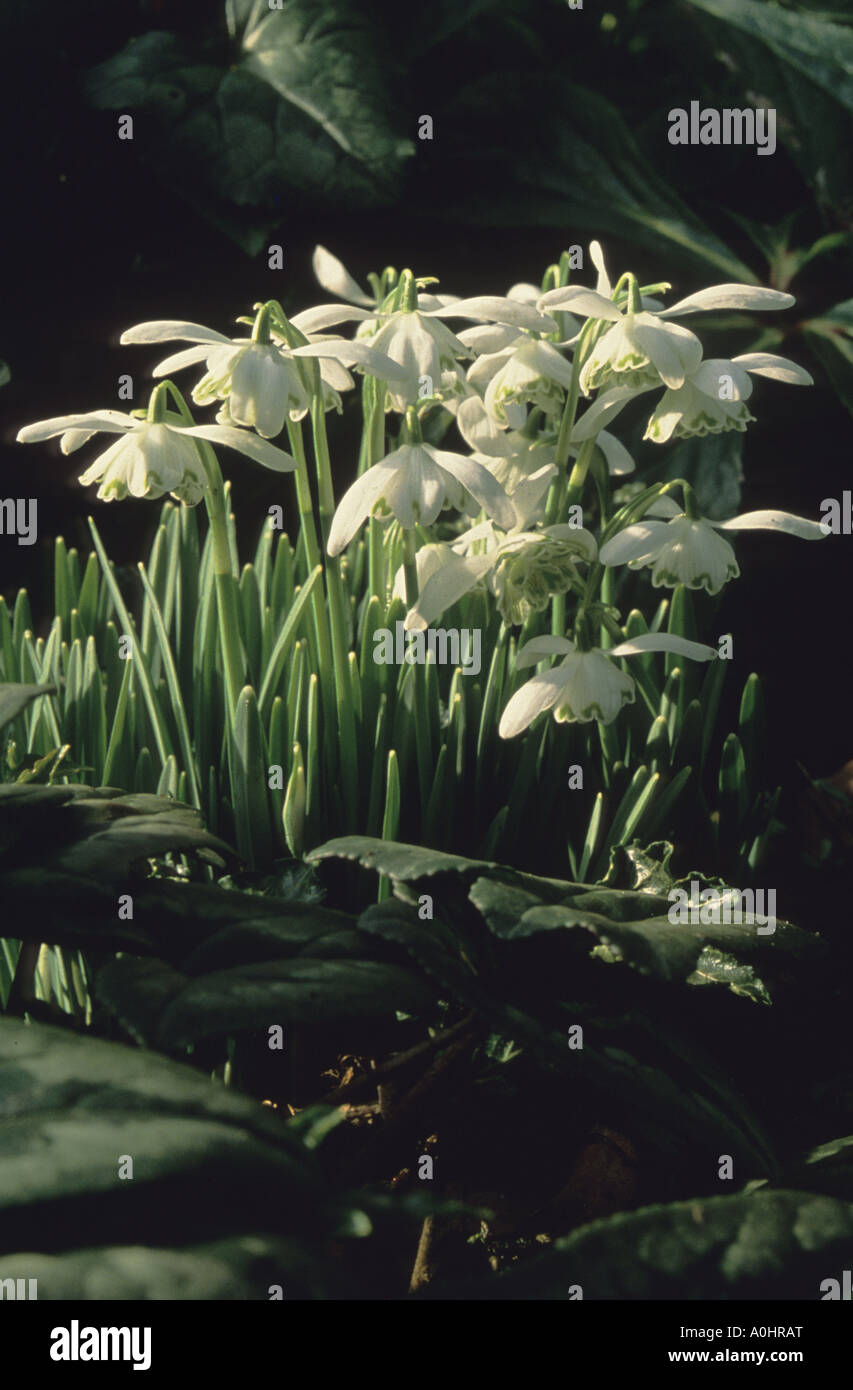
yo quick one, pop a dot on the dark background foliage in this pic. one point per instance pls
(550, 127)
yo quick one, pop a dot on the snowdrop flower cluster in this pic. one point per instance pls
(528, 466)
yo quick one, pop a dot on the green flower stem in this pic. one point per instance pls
(338, 610)
(308, 536)
(577, 477)
(690, 506)
(423, 739)
(303, 494)
(227, 595)
(638, 506)
(374, 450)
(556, 496)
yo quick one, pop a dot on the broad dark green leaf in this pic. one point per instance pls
(327, 60)
(801, 65)
(111, 851)
(302, 110)
(820, 50)
(238, 1267)
(581, 168)
(768, 1245)
(168, 1011)
(439, 951)
(206, 1162)
(398, 861)
(635, 927)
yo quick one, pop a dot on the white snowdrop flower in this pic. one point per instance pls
(642, 349)
(428, 561)
(415, 482)
(423, 347)
(412, 335)
(688, 550)
(713, 398)
(531, 372)
(151, 457)
(476, 426)
(522, 567)
(260, 380)
(586, 685)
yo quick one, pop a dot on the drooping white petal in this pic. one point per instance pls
(99, 466)
(537, 695)
(75, 439)
(457, 575)
(429, 303)
(479, 482)
(578, 300)
(730, 297)
(489, 337)
(245, 443)
(604, 410)
(711, 373)
(664, 642)
(529, 496)
(428, 560)
(352, 352)
(638, 543)
(674, 351)
(358, 502)
(618, 460)
(335, 375)
(479, 430)
(773, 520)
(259, 390)
(324, 316)
(577, 536)
(525, 292)
(780, 368)
(596, 255)
(595, 688)
(164, 330)
(664, 505)
(333, 275)
(538, 648)
(495, 309)
(419, 488)
(187, 357)
(110, 421)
